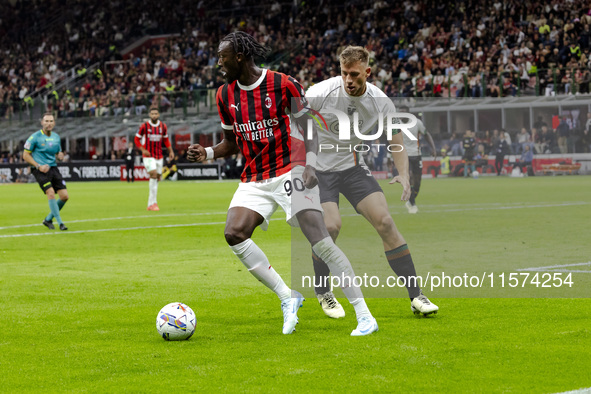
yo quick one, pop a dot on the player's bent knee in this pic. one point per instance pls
(234, 237)
(386, 224)
(333, 229)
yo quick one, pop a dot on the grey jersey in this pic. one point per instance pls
(335, 154)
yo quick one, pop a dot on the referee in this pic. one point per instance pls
(41, 150)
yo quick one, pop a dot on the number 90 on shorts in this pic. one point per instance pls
(295, 184)
(286, 191)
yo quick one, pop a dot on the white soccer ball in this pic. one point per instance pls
(475, 174)
(176, 322)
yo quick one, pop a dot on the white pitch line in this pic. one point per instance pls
(509, 207)
(493, 205)
(128, 228)
(109, 229)
(118, 229)
(517, 203)
(556, 268)
(125, 217)
(579, 391)
(225, 212)
(484, 208)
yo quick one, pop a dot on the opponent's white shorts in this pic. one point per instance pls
(287, 191)
(152, 164)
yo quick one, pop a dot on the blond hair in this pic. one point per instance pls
(353, 54)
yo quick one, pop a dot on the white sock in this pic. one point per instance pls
(153, 187)
(258, 265)
(340, 266)
(361, 308)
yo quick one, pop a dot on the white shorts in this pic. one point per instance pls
(152, 164)
(287, 191)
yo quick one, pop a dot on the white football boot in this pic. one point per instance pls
(365, 326)
(421, 304)
(330, 305)
(290, 312)
(408, 206)
(411, 208)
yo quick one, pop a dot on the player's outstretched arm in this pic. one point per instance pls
(401, 163)
(311, 142)
(228, 147)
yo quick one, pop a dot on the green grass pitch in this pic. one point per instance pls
(78, 308)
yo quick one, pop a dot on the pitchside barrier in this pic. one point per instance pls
(92, 170)
(551, 164)
(108, 171)
(185, 172)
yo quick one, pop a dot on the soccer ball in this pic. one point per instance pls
(176, 322)
(475, 174)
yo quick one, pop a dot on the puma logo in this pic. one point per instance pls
(309, 198)
(234, 106)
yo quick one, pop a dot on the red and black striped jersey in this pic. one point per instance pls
(259, 116)
(154, 135)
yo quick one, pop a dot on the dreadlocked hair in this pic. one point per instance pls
(246, 44)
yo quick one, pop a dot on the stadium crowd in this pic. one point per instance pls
(422, 48)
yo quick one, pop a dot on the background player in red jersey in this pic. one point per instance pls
(255, 106)
(149, 140)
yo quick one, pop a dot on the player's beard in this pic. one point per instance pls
(229, 77)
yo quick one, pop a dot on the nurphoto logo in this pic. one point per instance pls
(393, 121)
